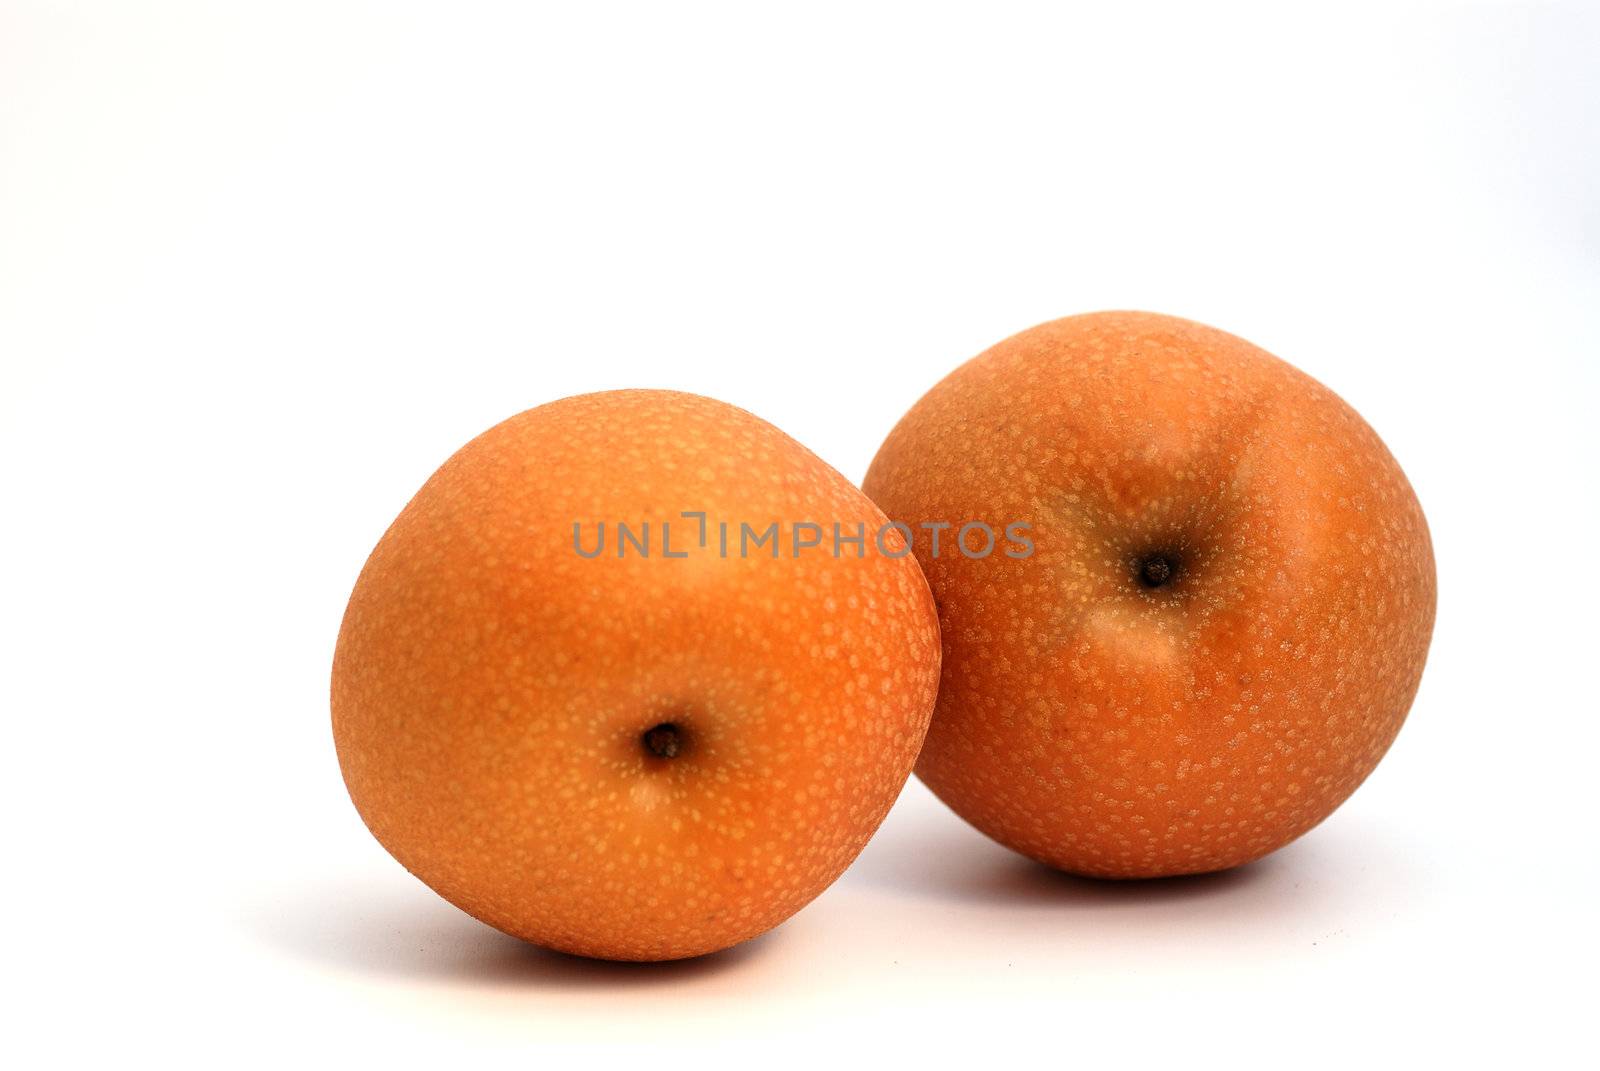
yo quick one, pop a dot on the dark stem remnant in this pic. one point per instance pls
(664, 741)
(1157, 570)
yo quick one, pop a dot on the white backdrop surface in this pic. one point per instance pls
(263, 267)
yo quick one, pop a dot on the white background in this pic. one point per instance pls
(263, 267)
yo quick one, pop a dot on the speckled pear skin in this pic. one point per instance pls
(1119, 729)
(493, 690)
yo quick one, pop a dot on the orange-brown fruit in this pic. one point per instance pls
(1225, 615)
(624, 755)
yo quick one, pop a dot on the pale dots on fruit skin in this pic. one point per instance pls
(1124, 732)
(489, 720)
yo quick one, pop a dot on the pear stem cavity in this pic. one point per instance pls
(664, 741)
(1156, 570)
